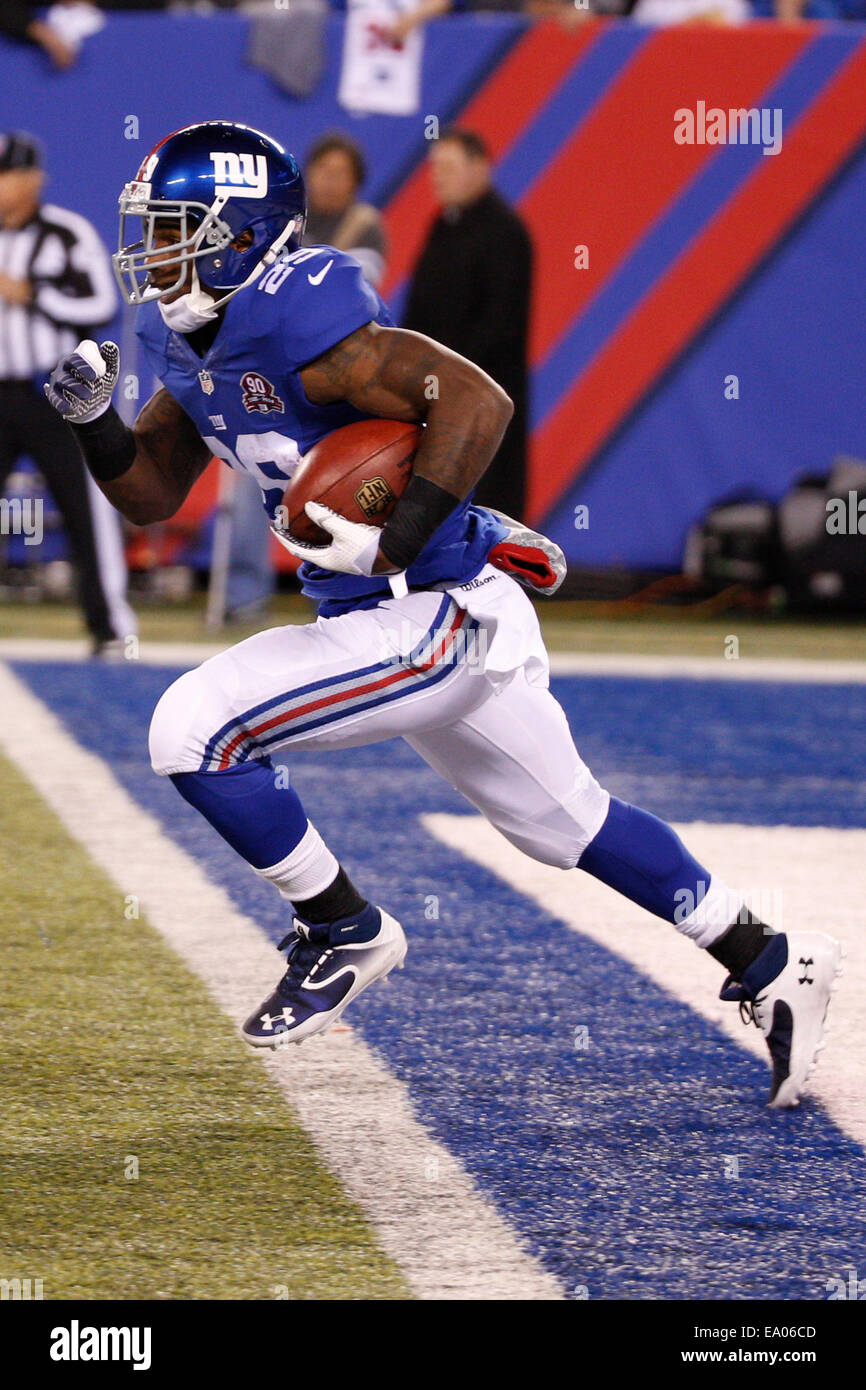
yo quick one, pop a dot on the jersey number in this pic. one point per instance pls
(268, 457)
(273, 278)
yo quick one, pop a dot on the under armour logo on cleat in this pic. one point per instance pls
(268, 1020)
(805, 980)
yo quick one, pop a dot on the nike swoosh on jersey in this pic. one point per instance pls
(317, 279)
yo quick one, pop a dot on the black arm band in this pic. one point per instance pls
(420, 511)
(108, 445)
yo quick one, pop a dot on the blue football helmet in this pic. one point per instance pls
(211, 181)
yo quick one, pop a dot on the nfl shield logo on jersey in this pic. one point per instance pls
(260, 396)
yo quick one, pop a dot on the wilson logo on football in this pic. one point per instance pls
(260, 397)
(373, 496)
(239, 171)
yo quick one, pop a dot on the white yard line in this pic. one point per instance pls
(804, 877)
(447, 1238)
(188, 654)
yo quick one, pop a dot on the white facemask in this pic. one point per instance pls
(190, 311)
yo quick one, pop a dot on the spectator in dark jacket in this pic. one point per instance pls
(471, 291)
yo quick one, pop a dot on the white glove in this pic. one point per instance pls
(353, 549)
(81, 384)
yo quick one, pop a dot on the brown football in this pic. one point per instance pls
(360, 471)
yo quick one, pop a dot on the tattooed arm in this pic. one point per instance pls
(404, 376)
(169, 457)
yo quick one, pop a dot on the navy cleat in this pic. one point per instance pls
(328, 965)
(786, 992)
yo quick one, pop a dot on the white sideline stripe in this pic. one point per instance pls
(448, 1240)
(188, 654)
(819, 875)
(185, 654)
(709, 668)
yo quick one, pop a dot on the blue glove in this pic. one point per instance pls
(81, 384)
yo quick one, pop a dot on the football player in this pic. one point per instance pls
(262, 348)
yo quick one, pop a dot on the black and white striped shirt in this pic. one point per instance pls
(62, 257)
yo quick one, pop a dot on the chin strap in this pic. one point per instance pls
(190, 311)
(272, 254)
(198, 307)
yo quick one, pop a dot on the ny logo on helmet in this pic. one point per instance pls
(240, 171)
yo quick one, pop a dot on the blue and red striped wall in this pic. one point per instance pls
(705, 262)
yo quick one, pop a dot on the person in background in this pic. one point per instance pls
(22, 21)
(567, 12)
(56, 288)
(471, 291)
(792, 11)
(61, 28)
(667, 13)
(400, 28)
(334, 173)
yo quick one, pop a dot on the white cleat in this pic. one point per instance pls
(786, 992)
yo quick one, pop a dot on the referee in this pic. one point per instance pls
(55, 289)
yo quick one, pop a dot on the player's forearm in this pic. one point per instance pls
(145, 472)
(141, 495)
(402, 375)
(121, 468)
(149, 491)
(464, 428)
(157, 485)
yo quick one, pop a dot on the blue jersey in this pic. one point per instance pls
(247, 402)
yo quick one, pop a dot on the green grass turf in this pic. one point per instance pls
(111, 1050)
(569, 626)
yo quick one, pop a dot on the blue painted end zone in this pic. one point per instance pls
(609, 1162)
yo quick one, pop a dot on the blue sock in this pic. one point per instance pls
(645, 860)
(261, 820)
